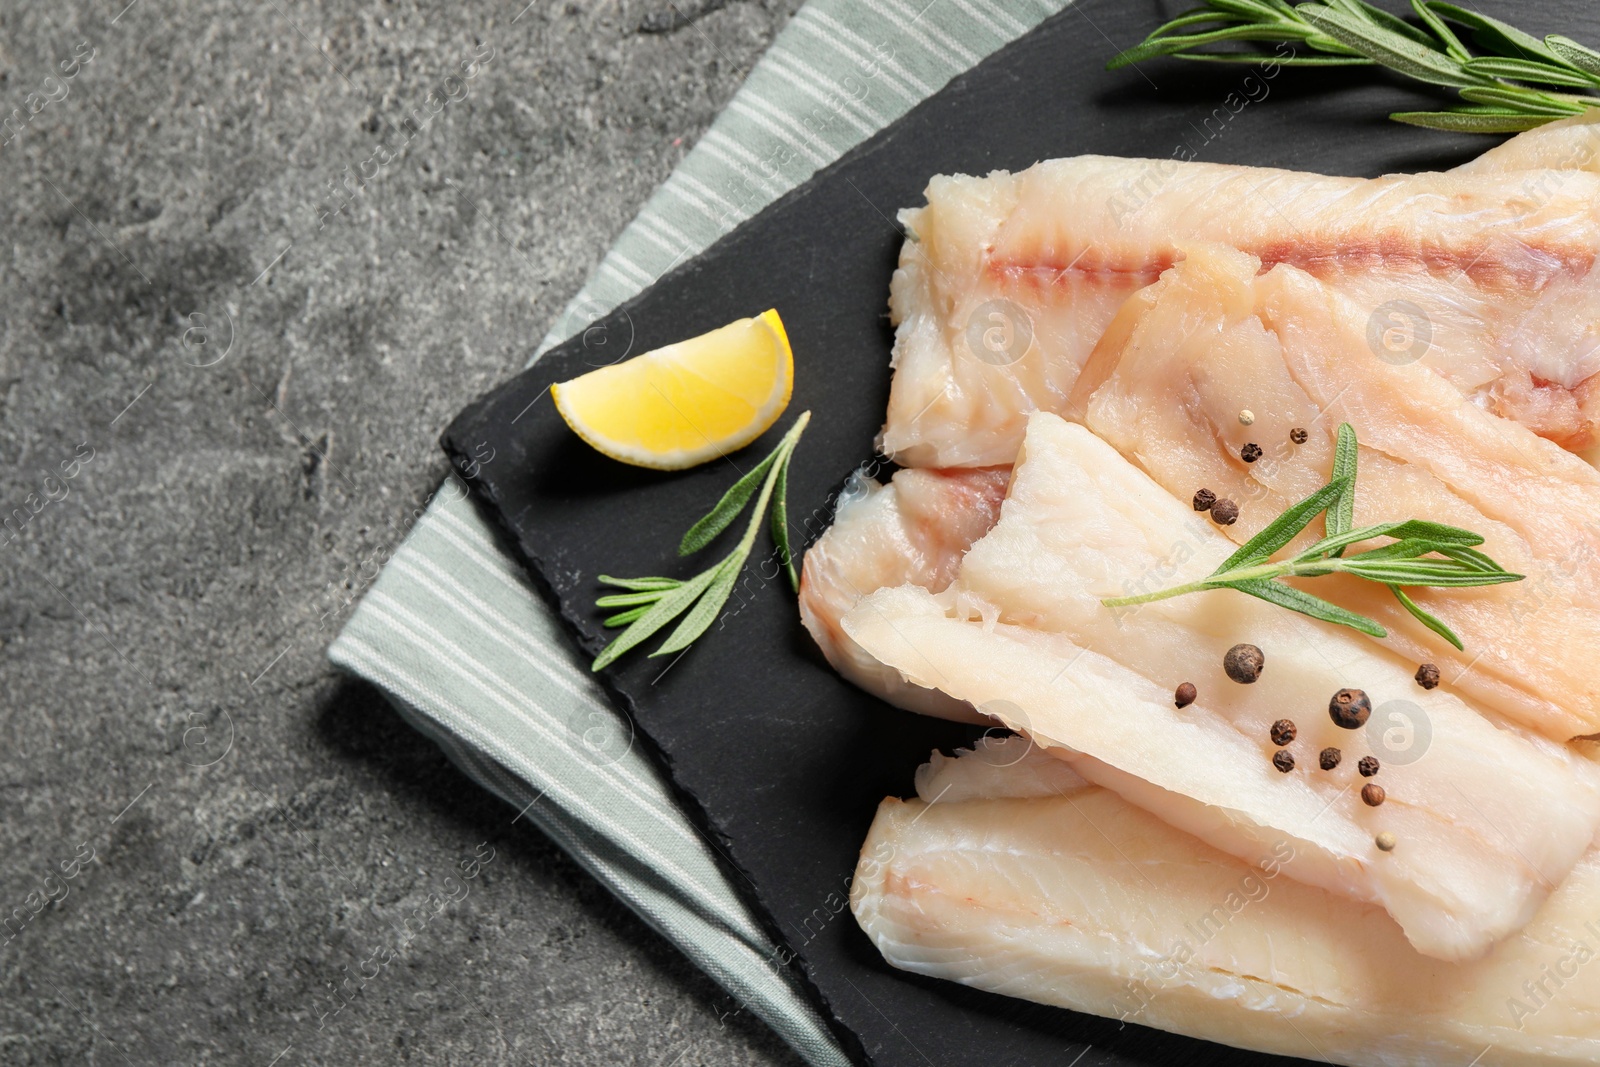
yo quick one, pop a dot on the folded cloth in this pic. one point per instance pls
(466, 650)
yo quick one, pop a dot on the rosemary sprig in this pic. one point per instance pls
(651, 603)
(1418, 553)
(1505, 91)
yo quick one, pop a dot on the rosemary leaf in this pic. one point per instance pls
(721, 517)
(1410, 548)
(640, 583)
(1430, 572)
(1486, 120)
(1574, 54)
(780, 523)
(628, 600)
(1430, 621)
(1289, 61)
(1287, 596)
(1529, 101)
(1452, 44)
(1392, 23)
(623, 618)
(1526, 71)
(1436, 534)
(1238, 9)
(1470, 555)
(1342, 515)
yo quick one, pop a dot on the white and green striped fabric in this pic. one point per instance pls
(464, 647)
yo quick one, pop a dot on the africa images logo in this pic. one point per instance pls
(53, 488)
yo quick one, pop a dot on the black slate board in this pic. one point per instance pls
(780, 761)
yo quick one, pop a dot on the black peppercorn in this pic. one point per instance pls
(1185, 695)
(1250, 452)
(1349, 709)
(1428, 676)
(1368, 766)
(1282, 732)
(1329, 758)
(1283, 760)
(1203, 499)
(1225, 512)
(1298, 435)
(1373, 795)
(1244, 663)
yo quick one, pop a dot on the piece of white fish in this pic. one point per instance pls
(913, 530)
(1184, 356)
(1041, 886)
(1495, 819)
(1483, 275)
(1564, 145)
(998, 765)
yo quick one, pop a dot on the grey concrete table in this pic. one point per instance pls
(228, 338)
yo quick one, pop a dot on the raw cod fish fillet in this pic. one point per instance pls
(1005, 874)
(912, 530)
(1007, 282)
(1185, 355)
(1492, 819)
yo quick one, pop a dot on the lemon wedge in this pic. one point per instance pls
(686, 403)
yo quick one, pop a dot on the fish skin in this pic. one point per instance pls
(1213, 336)
(1500, 265)
(915, 530)
(1066, 894)
(1496, 818)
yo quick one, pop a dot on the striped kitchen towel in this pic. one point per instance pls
(451, 629)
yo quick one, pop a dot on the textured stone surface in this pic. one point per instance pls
(226, 829)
